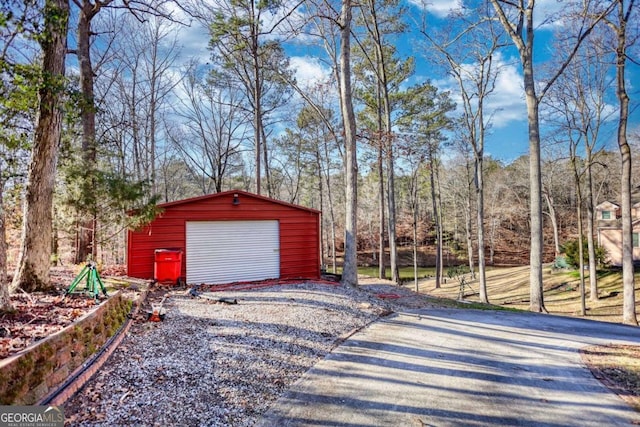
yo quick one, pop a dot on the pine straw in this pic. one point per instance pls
(617, 367)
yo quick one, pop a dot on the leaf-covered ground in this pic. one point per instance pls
(38, 315)
(618, 367)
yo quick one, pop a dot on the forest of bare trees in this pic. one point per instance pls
(110, 107)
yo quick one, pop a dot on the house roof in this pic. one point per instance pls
(232, 192)
(635, 200)
(607, 205)
(635, 195)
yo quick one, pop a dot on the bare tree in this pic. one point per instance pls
(88, 10)
(245, 43)
(497, 202)
(424, 121)
(379, 59)
(213, 126)
(470, 58)
(554, 180)
(85, 247)
(135, 91)
(32, 272)
(578, 106)
(517, 20)
(625, 14)
(457, 186)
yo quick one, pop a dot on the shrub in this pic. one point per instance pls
(571, 251)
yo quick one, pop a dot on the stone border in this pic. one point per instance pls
(83, 373)
(54, 368)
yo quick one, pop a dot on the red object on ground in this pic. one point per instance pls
(388, 296)
(249, 286)
(155, 317)
(167, 265)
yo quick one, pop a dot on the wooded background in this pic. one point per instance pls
(136, 121)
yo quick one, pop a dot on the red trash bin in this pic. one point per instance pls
(167, 265)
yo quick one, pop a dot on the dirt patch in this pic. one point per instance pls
(617, 367)
(397, 297)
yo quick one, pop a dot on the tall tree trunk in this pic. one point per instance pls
(482, 276)
(86, 226)
(521, 31)
(536, 302)
(391, 198)
(591, 245)
(334, 263)
(153, 107)
(628, 281)
(468, 228)
(265, 159)
(350, 268)
(257, 100)
(321, 194)
(382, 273)
(5, 302)
(436, 217)
(440, 244)
(388, 138)
(331, 212)
(583, 306)
(32, 272)
(576, 179)
(414, 224)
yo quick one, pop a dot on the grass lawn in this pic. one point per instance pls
(509, 287)
(406, 273)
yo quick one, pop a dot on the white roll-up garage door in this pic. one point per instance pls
(232, 251)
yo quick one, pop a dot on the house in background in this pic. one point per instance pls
(608, 223)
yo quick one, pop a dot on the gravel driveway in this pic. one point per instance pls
(216, 364)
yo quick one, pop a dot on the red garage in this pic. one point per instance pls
(229, 237)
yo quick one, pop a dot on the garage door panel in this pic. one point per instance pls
(230, 251)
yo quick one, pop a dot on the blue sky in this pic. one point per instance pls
(508, 137)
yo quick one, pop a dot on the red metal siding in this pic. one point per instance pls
(299, 231)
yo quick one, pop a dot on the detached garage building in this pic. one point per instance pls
(229, 237)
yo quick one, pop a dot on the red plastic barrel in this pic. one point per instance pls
(167, 265)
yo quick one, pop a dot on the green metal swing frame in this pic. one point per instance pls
(93, 284)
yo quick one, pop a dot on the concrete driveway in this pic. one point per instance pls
(447, 367)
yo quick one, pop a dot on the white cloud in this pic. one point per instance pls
(505, 104)
(439, 8)
(194, 42)
(309, 70)
(547, 13)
